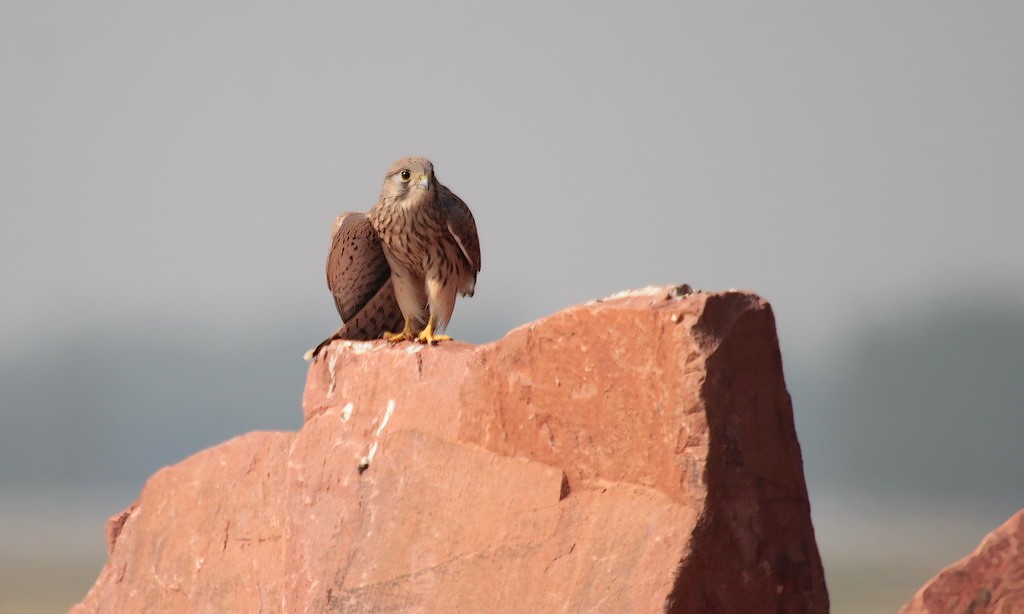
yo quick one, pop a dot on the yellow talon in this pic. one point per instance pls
(427, 335)
(405, 334)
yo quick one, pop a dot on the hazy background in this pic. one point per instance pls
(169, 174)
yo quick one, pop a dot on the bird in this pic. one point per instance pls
(418, 228)
(430, 241)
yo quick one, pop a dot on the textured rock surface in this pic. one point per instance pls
(990, 579)
(635, 454)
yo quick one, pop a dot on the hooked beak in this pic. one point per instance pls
(424, 182)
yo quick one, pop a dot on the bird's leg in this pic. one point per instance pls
(401, 336)
(427, 334)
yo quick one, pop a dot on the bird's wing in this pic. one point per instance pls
(360, 280)
(462, 226)
(380, 314)
(356, 267)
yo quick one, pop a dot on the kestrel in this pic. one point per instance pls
(404, 262)
(430, 242)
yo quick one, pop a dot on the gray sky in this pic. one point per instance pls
(169, 175)
(183, 163)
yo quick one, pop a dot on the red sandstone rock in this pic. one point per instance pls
(635, 454)
(990, 579)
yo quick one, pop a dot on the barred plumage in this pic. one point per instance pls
(404, 261)
(430, 241)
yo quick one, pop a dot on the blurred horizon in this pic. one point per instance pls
(63, 476)
(169, 175)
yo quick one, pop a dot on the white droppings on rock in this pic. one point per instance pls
(648, 291)
(331, 363)
(365, 461)
(387, 416)
(362, 347)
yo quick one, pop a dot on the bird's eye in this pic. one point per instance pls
(405, 174)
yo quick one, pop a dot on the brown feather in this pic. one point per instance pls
(356, 267)
(360, 281)
(462, 226)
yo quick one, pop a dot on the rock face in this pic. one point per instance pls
(635, 454)
(990, 579)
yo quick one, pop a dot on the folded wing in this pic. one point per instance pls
(356, 267)
(462, 228)
(360, 281)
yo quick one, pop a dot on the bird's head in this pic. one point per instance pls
(409, 180)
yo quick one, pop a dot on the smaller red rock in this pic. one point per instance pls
(990, 579)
